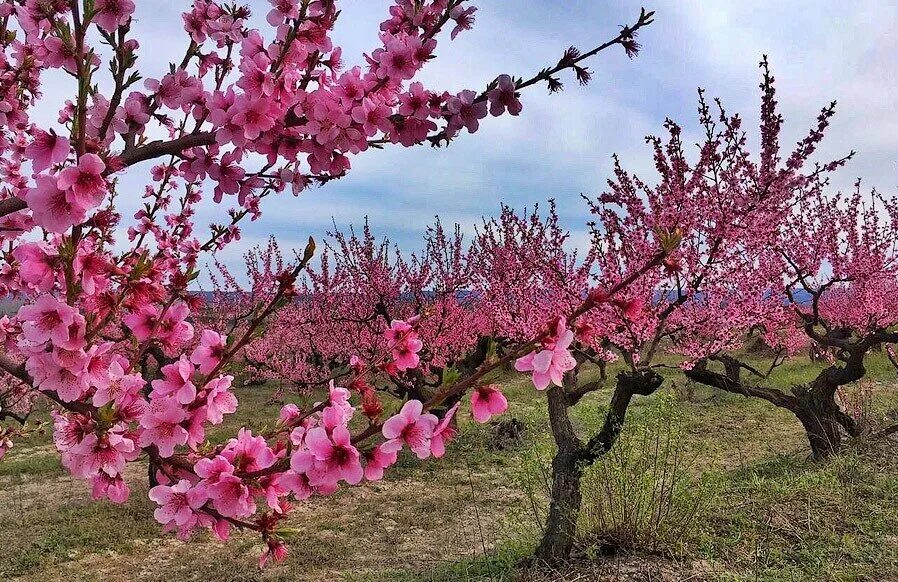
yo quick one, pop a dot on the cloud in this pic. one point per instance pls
(561, 145)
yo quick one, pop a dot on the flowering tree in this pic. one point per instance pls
(342, 312)
(106, 332)
(830, 270)
(685, 244)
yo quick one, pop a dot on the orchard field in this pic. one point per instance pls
(753, 506)
(270, 311)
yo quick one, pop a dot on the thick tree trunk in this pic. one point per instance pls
(573, 457)
(561, 523)
(823, 431)
(814, 404)
(564, 506)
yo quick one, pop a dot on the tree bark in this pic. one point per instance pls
(564, 506)
(573, 457)
(813, 404)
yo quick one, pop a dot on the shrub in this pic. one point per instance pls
(642, 494)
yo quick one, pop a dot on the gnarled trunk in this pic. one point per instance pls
(573, 456)
(813, 404)
(561, 524)
(564, 506)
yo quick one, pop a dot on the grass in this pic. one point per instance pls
(775, 516)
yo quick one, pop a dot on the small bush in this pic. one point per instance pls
(642, 495)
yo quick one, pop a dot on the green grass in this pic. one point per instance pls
(776, 515)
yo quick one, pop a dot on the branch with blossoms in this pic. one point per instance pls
(106, 330)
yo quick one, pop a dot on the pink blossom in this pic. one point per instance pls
(176, 381)
(219, 399)
(84, 183)
(410, 427)
(443, 433)
(118, 387)
(463, 17)
(113, 488)
(486, 402)
(503, 97)
(208, 354)
(142, 322)
(179, 503)
(396, 60)
(334, 457)
(275, 549)
(110, 14)
(162, 426)
(46, 149)
(248, 453)
(404, 344)
(105, 453)
(466, 111)
(48, 319)
(37, 265)
(550, 363)
(376, 460)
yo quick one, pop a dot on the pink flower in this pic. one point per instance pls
(111, 487)
(396, 60)
(334, 457)
(466, 112)
(110, 14)
(504, 97)
(231, 497)
(248, 453)
(118, 387)
(463, 17)
(443, 433)
(415, 103)
(410, 427)
(213, 470)
(142, 322)
(84, 183)
(176, 382)
(550, 363)
(105, 453)
(46, 149)
(47, 319)
(404, 343)
(275, 550)
(340, 411)
(255, 117)
(376, 460)
(219, 399)
(162, 426)
(178, 503)
(37, 265)
(486, 402)
(208, 354)
(173, 329)
(631, 308)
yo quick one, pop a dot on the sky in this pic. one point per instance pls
(561, 145)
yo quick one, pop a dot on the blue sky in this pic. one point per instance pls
(561, 145)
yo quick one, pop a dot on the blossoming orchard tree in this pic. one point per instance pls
(344, 310)
(830, 273)
(106, 329)
(710, 219)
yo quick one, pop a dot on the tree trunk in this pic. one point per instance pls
(564, 507)
(814, 404)
(573, 457)
(561, 524)
(823, 431)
